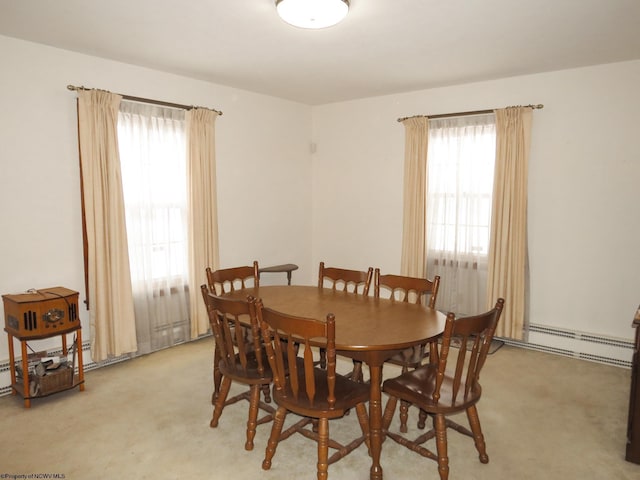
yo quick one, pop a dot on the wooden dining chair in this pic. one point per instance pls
(345, 280)
(414, 290)
(227, 280)
(442, 388)
(238, 361)
(316, 394)
(407, 289)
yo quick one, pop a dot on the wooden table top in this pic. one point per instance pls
(362, 323)
(286, 267)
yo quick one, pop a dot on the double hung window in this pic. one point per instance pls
(152, 145)
(461, 159)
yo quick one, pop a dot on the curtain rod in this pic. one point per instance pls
(462, 114)
(148, 100)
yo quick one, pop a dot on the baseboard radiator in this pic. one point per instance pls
(572, 343)
(89, 364)
(5, 372)
(558, 341)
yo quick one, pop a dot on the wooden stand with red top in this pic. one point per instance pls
(36, 315)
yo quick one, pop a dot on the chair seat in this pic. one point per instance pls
(347, 392)
(417, 387)
(250, 374)
(411, 357)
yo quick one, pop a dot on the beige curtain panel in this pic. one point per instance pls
(203, 214)
(113, 330)
(413, 262)
(508, 243)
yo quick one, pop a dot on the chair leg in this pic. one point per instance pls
(440, 426)
(266, 390)
(252, 423)
(404, 408)
(478, 438)
(323, 448)
(404, 415)
(363, 419)
(220, 401)
(422, 419)
(389, 410)
(217, 376)
(272, 444)
(356, 374)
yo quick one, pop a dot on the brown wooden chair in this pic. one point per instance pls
(345, 280)
(316, 394)
(228, 280)
(414, 290)
(408, 289)
(441, 389)
(239, 362)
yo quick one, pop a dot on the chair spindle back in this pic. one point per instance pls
(284, 336)
(228, 319)
(407, 289)
(231, 279)
(473, 336)
(345, 280)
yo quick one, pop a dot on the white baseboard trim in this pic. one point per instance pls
(575, 344)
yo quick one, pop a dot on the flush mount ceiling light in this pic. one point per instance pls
(312, 13)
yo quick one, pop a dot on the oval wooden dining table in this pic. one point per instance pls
(367, 329)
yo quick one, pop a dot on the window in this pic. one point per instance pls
(152, 144)
(461, 158)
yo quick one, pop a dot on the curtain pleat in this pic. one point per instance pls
(203, 214)
(508, 244)
(413, 262)
(111, 311)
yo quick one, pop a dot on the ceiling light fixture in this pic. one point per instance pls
(312, 13)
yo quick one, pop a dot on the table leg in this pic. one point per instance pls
(375, 420)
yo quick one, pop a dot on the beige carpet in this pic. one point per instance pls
(544, 417)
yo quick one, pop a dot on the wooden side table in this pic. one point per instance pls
(37, 315)
(284, 268)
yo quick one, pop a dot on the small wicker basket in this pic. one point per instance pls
(54, 380)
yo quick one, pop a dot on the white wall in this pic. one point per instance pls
(263, 168)
(343, 204)
(584, 187)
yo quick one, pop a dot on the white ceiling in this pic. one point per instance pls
(382, 47)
